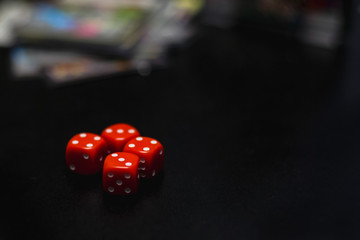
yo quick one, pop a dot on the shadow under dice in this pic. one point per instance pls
(85, 153)
(151, 154)
(120, 173)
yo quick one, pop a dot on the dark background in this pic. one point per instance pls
(260, 135)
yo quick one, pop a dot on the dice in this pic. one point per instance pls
(120, 153)
(151, 154)
(85, 153)
(120, 173)
(118, 134)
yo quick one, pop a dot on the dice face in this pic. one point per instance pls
(118, 135)
(120, 173)
(151, 154)
(85, 153)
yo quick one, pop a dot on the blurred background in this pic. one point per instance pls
(67, 42)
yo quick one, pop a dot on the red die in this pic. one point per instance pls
(151, 154)
(120, 173)
(118, 135)
(85, 153)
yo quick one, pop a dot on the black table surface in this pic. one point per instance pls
(259, 144)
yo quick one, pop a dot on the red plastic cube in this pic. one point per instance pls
(151, 154)
(85, 153)
(120, 173)
(118, 135)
